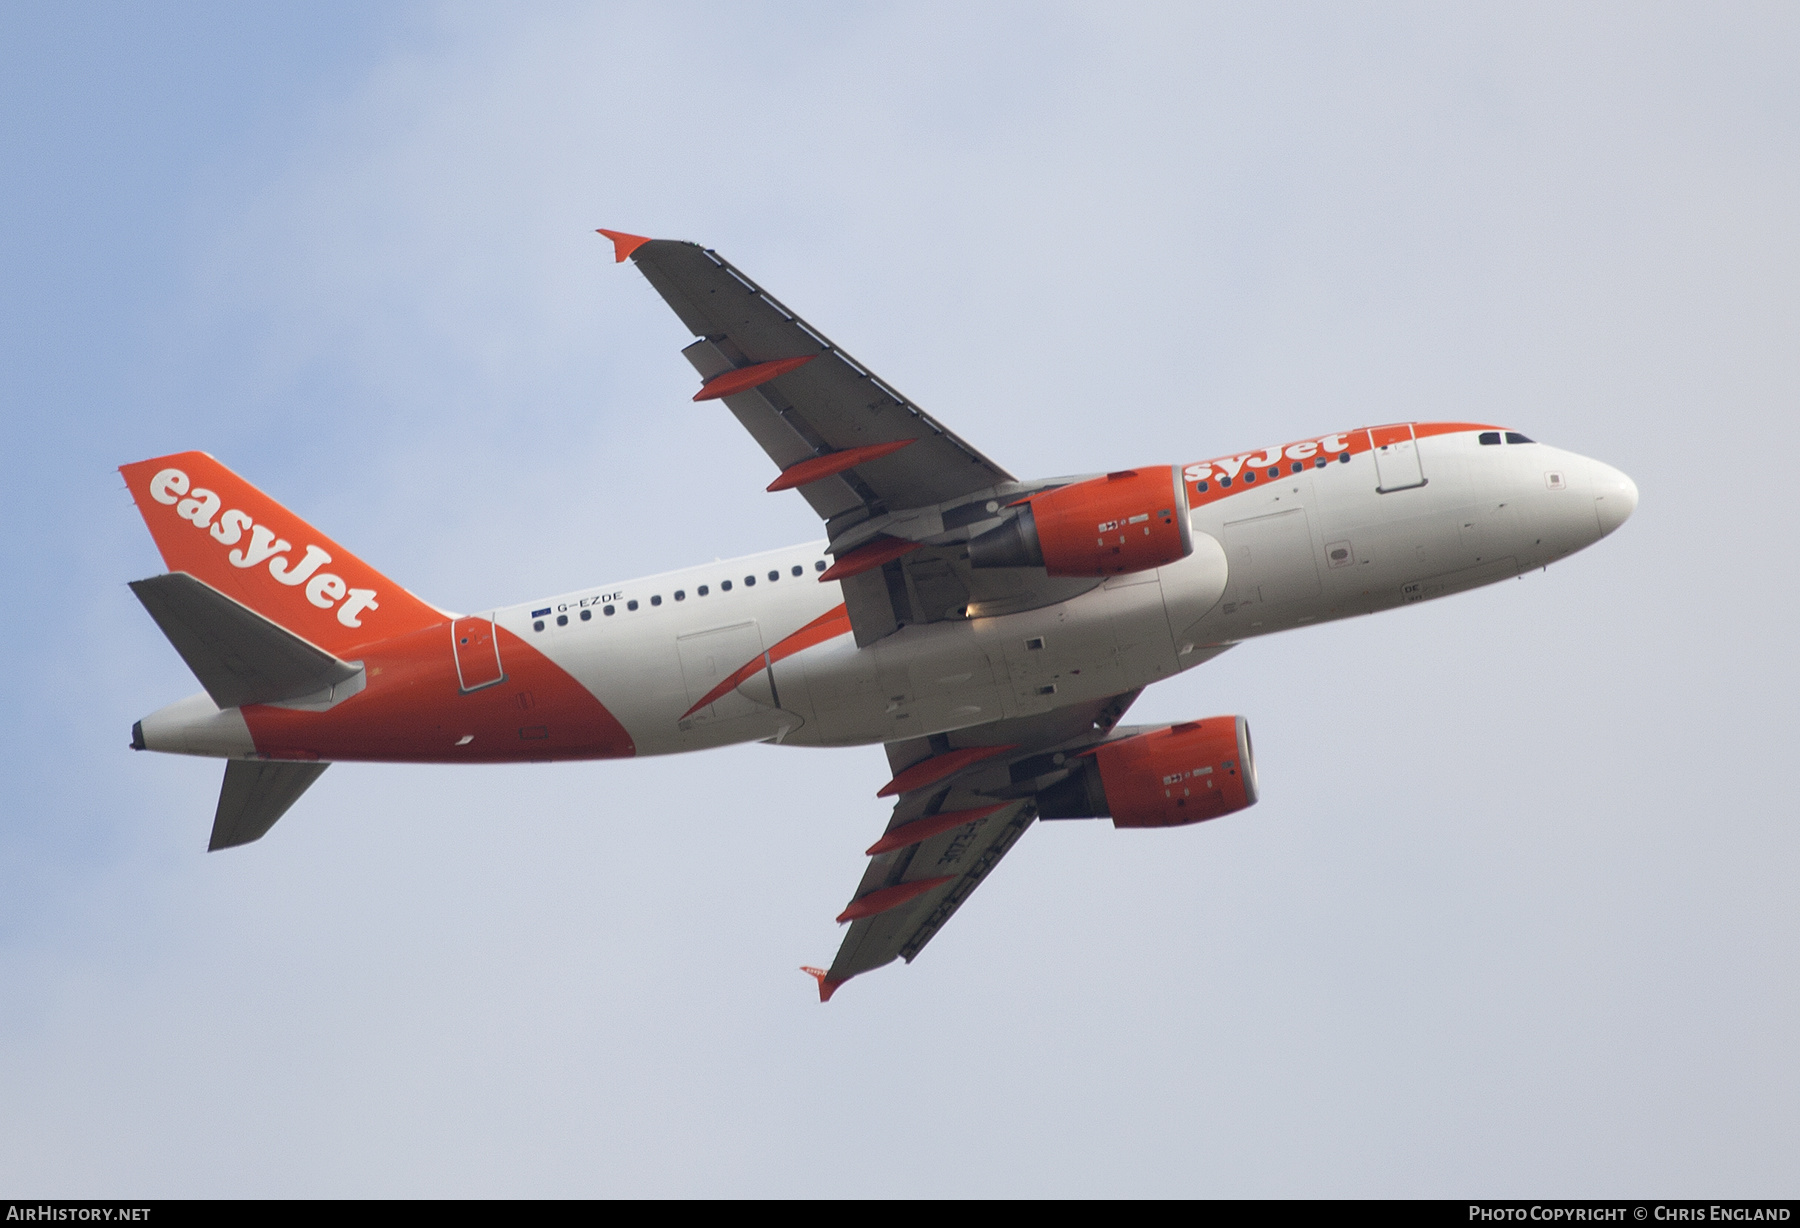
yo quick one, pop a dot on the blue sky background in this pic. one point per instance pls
(1517, 914)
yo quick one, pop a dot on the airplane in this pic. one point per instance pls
(990, 632)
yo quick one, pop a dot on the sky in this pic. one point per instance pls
(1516, 914)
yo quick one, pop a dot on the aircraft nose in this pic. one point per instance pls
(1615, 497)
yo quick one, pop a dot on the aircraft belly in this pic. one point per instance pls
(951, 675)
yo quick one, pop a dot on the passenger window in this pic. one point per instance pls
(586, 615)
(632, 604)
(1344, 459)
(1249, 475)
(1515, 437)
(819, 566)
(562, 620)
(608, 611)
(656, 599)
(724, 586)
(681, 594)
(774, 575)
(1319, 462)
(1298, 467)
(701, 590)
(1489, 438)
(1274, 471)
(799, 570)
(749, 581)
(1200, 488)
(538, 625)
(1224, 483)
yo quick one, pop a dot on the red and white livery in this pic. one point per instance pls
(990, 632)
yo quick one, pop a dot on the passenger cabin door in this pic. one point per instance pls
(477, 651)
(1396, 458)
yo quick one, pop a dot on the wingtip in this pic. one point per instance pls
(827, 986)
(623, 244)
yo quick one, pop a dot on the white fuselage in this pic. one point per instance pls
(1306, 547)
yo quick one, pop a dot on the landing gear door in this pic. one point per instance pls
(1396, 458)
(477, 651)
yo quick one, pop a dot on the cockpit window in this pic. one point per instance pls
(1490, 438)
(1515, 437)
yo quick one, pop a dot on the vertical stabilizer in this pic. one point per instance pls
(210, 523)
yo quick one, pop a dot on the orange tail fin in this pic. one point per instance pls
(210, 523)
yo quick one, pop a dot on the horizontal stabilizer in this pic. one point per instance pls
(239, 656)
(255, 794)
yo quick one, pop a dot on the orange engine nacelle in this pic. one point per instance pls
(1168, 777)
(1132, 520)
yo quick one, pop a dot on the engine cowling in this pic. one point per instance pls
(1132, 520)
(1168, 777)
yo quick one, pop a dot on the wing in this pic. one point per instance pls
(962, 802)
(851, 445)
(900, 494)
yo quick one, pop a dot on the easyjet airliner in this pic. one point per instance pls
(989, 631)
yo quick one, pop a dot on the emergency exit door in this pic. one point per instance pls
(477, 651)
(1396, 458)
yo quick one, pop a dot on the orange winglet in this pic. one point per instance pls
(908, 834)
(868, 558)
(820, 467)
(827, 986)
(878, 902)
(623, 244)
(930, 771)
(745, 378)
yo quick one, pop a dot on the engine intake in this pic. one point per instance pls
(1132, 520)
(1167, 777)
